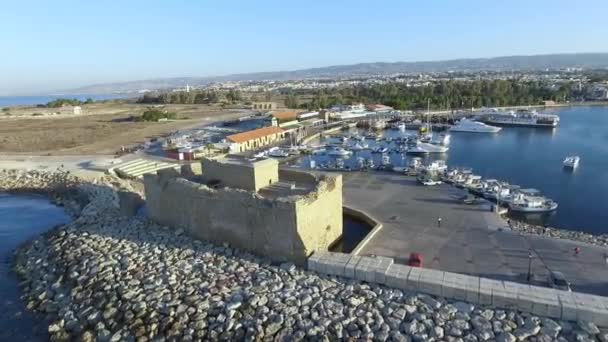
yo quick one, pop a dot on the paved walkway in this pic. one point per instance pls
(471, 238)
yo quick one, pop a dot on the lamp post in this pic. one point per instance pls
(529, 265)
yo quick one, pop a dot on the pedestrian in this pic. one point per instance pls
(439, 222)
(576, 250)
(606, 258)
(509, 222)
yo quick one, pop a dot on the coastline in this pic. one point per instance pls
(111, 277)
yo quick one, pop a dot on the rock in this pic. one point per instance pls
(464, 307)
(603, 335)
(506, 337)
(550, 327)
(525, 332)
(288, 267)
(588, 327)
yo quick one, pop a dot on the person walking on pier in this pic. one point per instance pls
(439, 222)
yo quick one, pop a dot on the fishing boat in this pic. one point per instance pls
(571, 162)
(527, 201)
(428, 177)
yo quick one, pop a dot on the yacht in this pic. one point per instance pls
(466, 125)
(523, 117)
(571, 161)
(424, 148)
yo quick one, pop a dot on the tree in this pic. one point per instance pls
(291, 101)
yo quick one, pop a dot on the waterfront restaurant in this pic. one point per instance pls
(255, 139)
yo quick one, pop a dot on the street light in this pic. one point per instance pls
(529, 264)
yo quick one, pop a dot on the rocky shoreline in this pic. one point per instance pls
(109, 277)
(526, 228)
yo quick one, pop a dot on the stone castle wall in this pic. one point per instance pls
(283, 229)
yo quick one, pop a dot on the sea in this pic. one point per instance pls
(9, 101)
(532, 158)
(24, 217)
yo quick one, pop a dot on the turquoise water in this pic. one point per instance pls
(22, 217)
(532, 158)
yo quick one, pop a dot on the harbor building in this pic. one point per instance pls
(285, 215)
(255, 139)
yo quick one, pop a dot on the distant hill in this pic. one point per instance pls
(537, 62)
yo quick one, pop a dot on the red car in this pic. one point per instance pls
(415, 260)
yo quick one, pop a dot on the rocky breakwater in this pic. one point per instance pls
(108, 277)
(526, 228)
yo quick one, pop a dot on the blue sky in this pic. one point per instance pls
(53, 45)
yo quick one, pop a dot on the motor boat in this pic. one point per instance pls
(428, 177)
(359, 147)
(277, 152)
(466, 125)
(441, 139)
(424, 148)
(526, 203)
(338, 151)
(380, 149)
(437, 166)
(571, 162)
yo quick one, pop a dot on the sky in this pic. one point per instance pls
(54, 45)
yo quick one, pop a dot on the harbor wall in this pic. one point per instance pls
(541, 301)
(283, 229)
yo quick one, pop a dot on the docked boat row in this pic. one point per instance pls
(511, 196)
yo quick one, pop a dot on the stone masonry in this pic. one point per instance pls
(283, 215)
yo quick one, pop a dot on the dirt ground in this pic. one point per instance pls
(101, 129)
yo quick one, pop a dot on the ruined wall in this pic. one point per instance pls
(319, 215)
(241, 176)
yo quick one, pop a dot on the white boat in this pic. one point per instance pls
(571, 161)
(277, 152)
(338, 151)
(523, 117)
(437, 166)
(424, 148)
(386, 160)
(401, 126)
(441, 139)
(359, 147)
(380, 149)
(428, 177)
(526, 203)
(466, 125)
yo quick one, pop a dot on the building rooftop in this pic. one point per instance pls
(240, 160)
(254, 134)
(285, 116)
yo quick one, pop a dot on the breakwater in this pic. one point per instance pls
(105, 276)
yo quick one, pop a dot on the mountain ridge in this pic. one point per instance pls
(502, 63)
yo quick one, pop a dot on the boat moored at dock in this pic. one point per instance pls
(522, 118)
(470, 126)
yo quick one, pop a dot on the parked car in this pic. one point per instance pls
(415, 260)
(557, 280)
